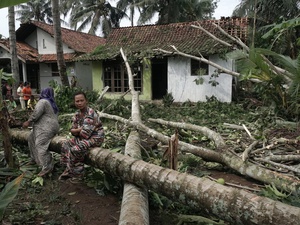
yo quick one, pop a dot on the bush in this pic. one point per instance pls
(64, 96)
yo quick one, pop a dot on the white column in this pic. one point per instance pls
(24, 71)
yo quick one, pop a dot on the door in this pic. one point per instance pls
(159, 78)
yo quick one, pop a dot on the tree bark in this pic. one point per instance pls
(223, 156)
(4, 128)
(62, 68)
(13, 50)
(134, 208)
(218, 140)
(227, 203)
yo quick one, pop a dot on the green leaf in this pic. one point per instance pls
(8, 194)
(7, 3)
(39, 180)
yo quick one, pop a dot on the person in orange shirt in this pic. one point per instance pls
(26, 93)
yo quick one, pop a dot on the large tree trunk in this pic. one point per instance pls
(62, 68)
(223, 156)
(4, 136)
(134, 208)
(13, 50)
(229, 204)
(15, 71)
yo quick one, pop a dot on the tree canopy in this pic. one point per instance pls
(7, 3)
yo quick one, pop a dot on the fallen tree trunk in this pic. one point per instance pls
(223, 156)
(229, 204)
(134, 208)
(218, 140)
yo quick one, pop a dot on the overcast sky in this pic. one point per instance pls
(225, 8)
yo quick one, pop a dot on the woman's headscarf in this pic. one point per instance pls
(48, 94)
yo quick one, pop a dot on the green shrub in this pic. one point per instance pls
(64, 96)
(168, 100)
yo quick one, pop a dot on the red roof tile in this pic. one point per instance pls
(30, 54)
(53, 58)
(24, 51)
(80, 42)
(142, 40)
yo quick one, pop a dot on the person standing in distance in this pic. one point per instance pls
(6, 90)
(27, 92)
(45, 126)
(87, 132)
(20, 94)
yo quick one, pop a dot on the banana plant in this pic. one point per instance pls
(9, 78)
(8, 194)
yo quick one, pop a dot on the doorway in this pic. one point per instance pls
(159, 78)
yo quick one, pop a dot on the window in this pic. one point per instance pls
(198, 68)
(54, 69)
(115, 76)
(44, 44)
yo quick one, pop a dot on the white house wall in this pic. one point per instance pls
(44, 42)
(4, 54)
(32, 39)
(183, 87)
(46, 75)
(82, 71)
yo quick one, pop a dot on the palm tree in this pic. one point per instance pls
(89, 12)
(172, 11)
(94, 14)
(13, 48)
(4, 4)
(15, 71)
(39, 10)
(62, 68)
(196, 10)
(128, 4)
(268, 11)
(69, 6)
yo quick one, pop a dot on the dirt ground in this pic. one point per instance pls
(93, 208)
(105, 210)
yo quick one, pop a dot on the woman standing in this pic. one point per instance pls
(45, 127)
(26, 92)
(20, 94)
(88, 132)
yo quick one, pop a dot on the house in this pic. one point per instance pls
(37, 54)
(158, 73)
(97, 63)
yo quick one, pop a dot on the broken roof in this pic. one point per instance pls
(142, 41)
(25, 51)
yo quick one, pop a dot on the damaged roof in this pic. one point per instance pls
(141, 41)
(25, 52)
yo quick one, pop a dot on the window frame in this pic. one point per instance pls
(197, 65)
(115, 76)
